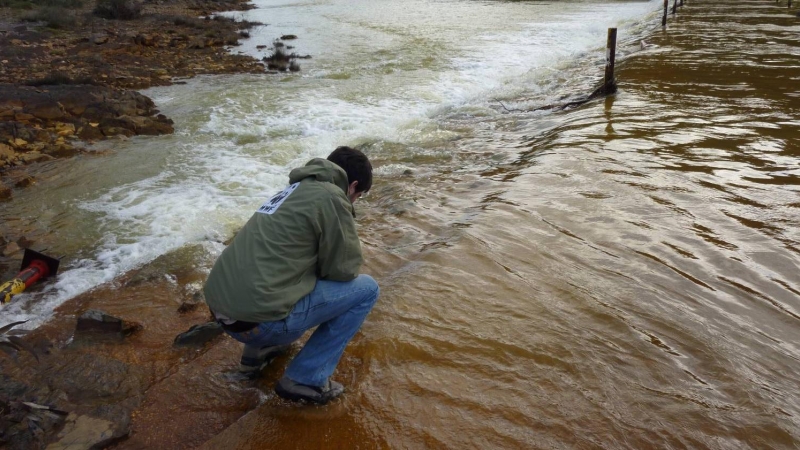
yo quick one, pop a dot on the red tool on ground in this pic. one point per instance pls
(35, 266)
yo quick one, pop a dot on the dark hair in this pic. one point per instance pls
(355, 164)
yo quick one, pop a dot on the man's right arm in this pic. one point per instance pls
(339, 250)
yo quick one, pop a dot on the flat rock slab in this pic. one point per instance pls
(198, 335)
(97, 322)
(84, 432)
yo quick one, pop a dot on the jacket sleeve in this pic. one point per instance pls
(339, 250)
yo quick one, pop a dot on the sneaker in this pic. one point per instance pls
(289, 389)
(255, 359)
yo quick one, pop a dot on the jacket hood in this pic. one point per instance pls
(322, 170)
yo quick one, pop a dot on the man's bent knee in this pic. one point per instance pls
(367, 282)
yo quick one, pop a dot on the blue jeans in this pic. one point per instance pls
(337, 308)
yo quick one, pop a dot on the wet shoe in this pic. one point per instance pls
(255, 359)
(291, 390)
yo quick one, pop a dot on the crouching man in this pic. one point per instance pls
(294, 266)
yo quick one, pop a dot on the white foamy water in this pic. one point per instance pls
(383, 71)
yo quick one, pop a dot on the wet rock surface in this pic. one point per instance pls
(23, 425)
(138, 392)
(84, 398)
(198, 335)
(194, 301)
(97, 323)
(85, 432)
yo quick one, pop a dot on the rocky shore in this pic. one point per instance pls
(68, 75)
(68, 78)
(107, 370)
(42, 123)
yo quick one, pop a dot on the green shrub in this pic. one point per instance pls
(16, 4)
(72, 4)
(118, 9)
(33, 4)
(280, 60)
(191, 22)
(53, 16)
(231, 39)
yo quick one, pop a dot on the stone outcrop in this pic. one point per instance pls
(198, 335)
(97, 323)
(43, 123)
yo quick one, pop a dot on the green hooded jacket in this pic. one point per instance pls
(304, 233)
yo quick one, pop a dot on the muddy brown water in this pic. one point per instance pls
(620, 275)
(627, 277)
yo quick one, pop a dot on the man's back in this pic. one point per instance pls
(304, 233)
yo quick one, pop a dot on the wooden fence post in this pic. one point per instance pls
(610, 85)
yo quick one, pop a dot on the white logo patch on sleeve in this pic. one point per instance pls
(271, 205)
